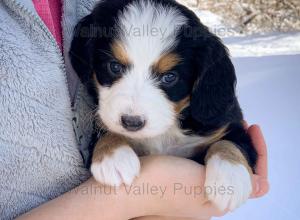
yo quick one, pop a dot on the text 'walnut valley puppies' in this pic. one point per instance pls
(164, 85)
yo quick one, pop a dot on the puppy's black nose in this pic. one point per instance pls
(132, 123)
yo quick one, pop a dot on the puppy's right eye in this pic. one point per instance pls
(115, 68)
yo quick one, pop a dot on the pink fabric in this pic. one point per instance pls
(50, 12)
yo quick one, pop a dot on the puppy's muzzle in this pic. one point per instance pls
(132, 123)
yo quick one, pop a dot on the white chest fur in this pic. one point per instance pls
(173, 142)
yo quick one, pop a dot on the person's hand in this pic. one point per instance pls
(260, 179)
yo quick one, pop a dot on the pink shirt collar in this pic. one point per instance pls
(50, 12)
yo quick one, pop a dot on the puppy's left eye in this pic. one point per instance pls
(169, 78)
(115, 68)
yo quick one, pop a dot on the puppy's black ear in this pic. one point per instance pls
(82, 49)
(213, 101)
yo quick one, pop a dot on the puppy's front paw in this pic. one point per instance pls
(122, 166)
(228, 185)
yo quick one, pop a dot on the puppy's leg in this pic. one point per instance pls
(114, 162)
(228, 176)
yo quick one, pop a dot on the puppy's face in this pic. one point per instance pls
(141, 62)
(140, 75)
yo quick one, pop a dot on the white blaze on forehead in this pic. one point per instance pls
(147, 30)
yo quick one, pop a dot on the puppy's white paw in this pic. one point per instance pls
(227, 185)
(120, 167)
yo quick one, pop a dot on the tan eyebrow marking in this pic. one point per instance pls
(119, 53)
(166, 62)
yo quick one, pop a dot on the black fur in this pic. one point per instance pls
(206, 72)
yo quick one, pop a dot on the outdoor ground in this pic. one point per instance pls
(254, 16)
(268, 71)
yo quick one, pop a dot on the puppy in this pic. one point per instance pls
(164, 85)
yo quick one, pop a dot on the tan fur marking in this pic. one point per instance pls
(227, 151)
(182, 104)
(167, 62)
(218, 134)
(106, 146)
(119, 53)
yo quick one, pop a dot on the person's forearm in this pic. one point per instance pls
(84, 202)
(169, 195)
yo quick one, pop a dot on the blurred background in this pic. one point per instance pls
(263, 37)
(254, 16)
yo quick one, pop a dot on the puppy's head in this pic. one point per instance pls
(149, 60)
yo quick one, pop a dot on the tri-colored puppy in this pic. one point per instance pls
(164, 85)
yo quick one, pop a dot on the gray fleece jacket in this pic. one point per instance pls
(43, 140)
